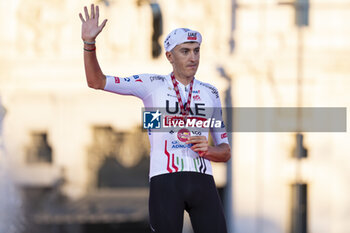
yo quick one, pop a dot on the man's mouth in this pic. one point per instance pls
(192, 66)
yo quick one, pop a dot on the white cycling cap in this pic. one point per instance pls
(179, 36)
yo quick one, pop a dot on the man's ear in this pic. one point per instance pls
(169, 56)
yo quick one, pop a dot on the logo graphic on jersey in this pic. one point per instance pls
(127, 79)
(152, 119)
(116, 80)
(172, 159)
(196, 98)
(224, 135)
(152, 78)
(183, 135)
(213, 89)
(200, 163)
(137, 78)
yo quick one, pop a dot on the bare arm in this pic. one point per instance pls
(89, 31)
(219, 153)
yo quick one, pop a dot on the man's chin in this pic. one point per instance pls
(192, 72)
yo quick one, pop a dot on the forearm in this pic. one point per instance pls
(89, 32)
(219, 153)
(94, 76)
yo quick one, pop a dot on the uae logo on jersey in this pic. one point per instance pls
(152, 119)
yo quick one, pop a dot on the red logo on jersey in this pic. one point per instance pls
(116, 80)
(196, 98)
(138, 80)
(183, 135)
(224, 135)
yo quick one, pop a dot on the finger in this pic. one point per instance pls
(202, 150)
(198, 138)
(92, 11)
(81, 18)
(195, 141)
(192, 139)
(86, 13)
(103, 24)
(201, 153)
(97, 13)
(199, 146)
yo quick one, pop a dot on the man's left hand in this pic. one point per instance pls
(200, 144)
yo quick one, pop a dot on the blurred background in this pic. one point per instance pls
(73, 159)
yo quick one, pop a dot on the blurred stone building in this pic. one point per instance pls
(79, 154)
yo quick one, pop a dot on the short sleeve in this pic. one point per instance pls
(218, 134)
(136, 85)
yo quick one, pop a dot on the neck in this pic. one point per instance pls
(185, 80)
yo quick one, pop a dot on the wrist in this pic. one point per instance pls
(89, 47)
(90, 50)
(89, 42)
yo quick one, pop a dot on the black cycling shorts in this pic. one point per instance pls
(171, 194)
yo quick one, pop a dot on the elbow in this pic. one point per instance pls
(96, 81)
(92, 85)
(95, 85)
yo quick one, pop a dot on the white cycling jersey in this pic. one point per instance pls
(168, 153)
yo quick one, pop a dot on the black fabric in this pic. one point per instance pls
(171, 194)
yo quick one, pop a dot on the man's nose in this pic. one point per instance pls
(193, 56)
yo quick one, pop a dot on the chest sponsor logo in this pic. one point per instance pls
(196, 133)
(176, 145)
(170, 95)
(116, 79)
(196, 98)
(199, 109)
(224, 135)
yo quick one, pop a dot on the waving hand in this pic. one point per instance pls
(90, 28)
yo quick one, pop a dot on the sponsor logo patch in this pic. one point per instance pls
(192, 36)
(153, 78)
(137, 78)
(196, 98)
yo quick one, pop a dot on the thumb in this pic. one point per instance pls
(103, 24)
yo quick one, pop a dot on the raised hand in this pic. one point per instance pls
(90, 28)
